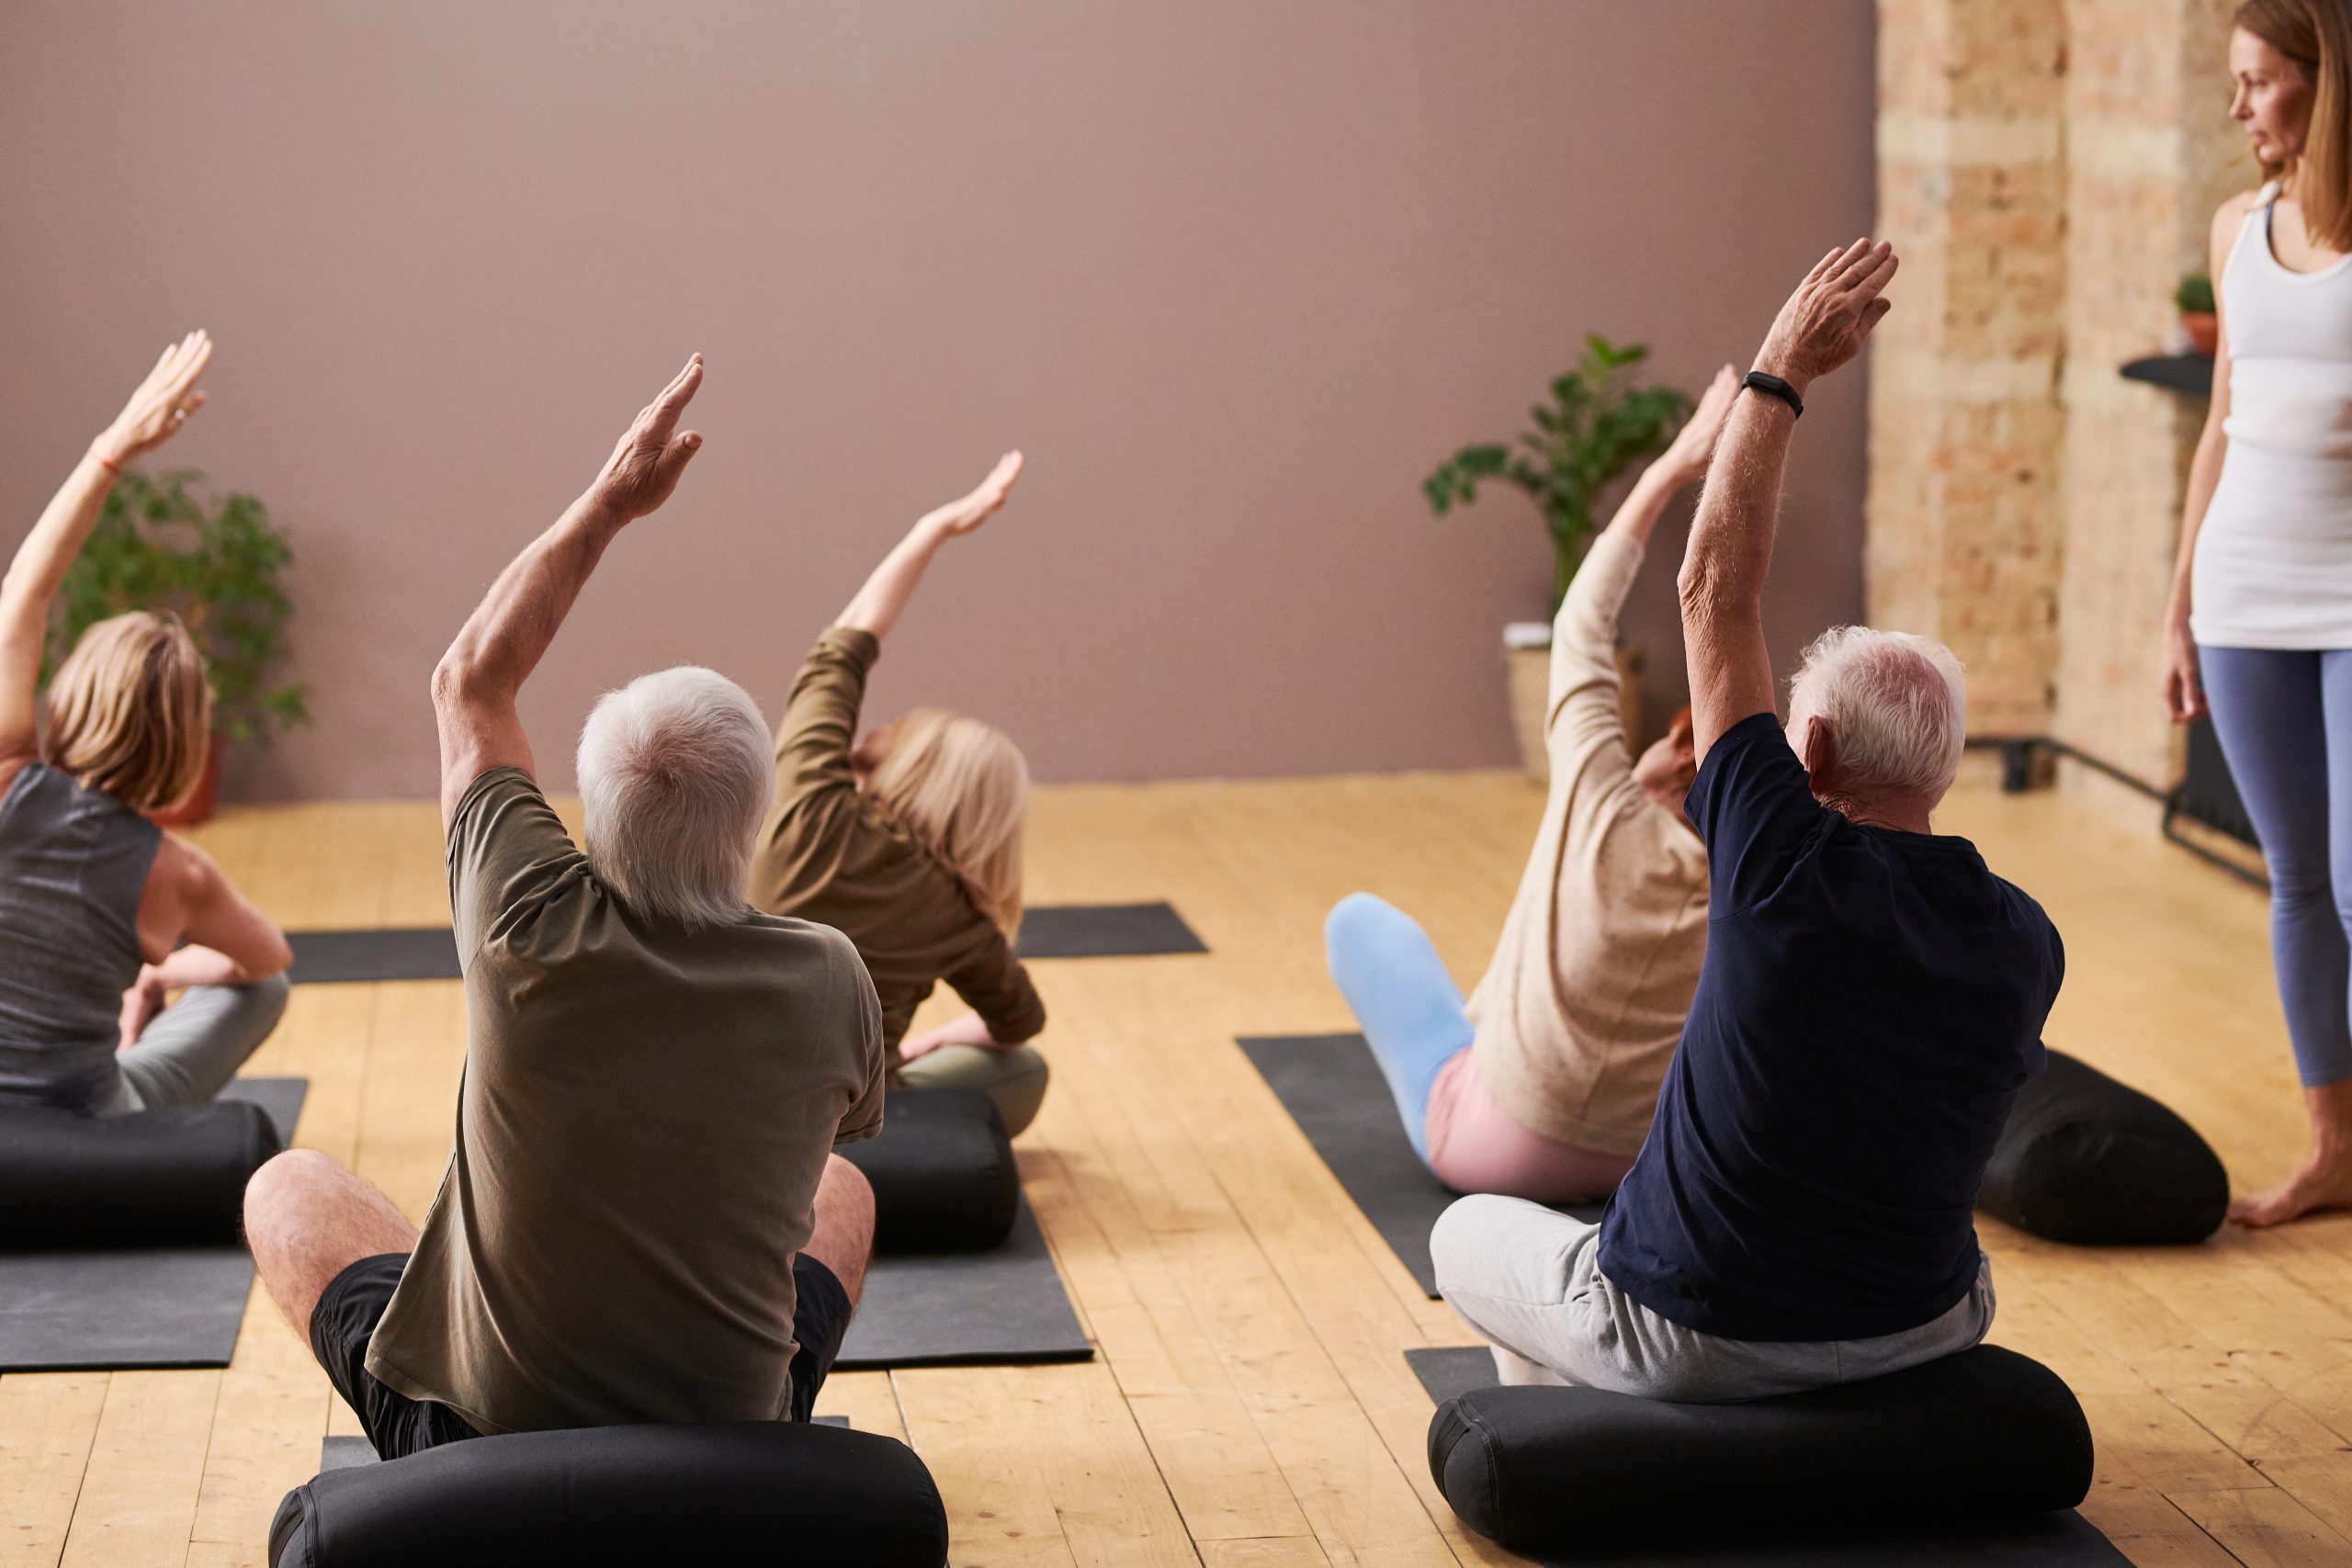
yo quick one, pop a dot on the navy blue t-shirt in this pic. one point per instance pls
(1871, 1002)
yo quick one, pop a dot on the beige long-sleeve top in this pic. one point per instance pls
(1580, 1012)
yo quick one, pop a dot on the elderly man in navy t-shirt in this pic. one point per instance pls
(1872, 999)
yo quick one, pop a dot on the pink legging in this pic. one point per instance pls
(1477, 1146)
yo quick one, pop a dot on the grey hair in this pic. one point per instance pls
(674, 778)
(1896, 706)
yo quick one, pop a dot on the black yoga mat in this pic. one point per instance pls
(1005, 1307)
(2040, 1540)
(175, 1306)
(1333, 1089)
(1105, 931)
(430, 953)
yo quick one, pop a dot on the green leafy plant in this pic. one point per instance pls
(2195, 295)
(216, 564)
(1597, 424)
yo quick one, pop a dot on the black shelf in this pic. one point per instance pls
(2192, 373)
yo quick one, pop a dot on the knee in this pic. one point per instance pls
(264, 1001)
(283, 1189)
(1353, 922)
(1464, 1236)
(847, 1197)
(1026, 1067)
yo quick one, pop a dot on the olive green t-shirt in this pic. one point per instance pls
(645, 1115)
(828, 855)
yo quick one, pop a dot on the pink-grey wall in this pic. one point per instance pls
(1235, 273)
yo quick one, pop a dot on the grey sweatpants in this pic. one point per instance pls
(192, 1047)
(1530, 1280)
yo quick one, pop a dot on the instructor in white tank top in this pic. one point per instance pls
(2260, 624)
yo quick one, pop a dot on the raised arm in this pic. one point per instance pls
(475, 685)
(155, 413)
(878, 604)
(1722, 583)
(1584, 710)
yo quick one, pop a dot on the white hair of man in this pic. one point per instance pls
(1896, 706)
(675, 778)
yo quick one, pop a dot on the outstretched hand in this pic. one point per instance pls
(962, 516)
(1685, 461)
(1825, 322)
(161, 405)
(644, 467)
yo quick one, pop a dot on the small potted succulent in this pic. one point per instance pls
(214, 562)
(1597, 424)
(2194, 300)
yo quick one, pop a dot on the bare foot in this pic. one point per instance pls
(2324, 1182)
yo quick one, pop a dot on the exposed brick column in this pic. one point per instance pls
(1966, 428)
(2150, 155)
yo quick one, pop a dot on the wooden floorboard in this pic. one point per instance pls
(1250, 1406)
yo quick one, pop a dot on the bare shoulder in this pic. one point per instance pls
(2231, 216)
(183, 866)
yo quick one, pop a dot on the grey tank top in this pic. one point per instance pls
(73, 866)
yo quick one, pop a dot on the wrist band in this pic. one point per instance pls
(1773, 386)
(100, 459)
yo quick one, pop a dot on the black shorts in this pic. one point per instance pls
(354, 1299)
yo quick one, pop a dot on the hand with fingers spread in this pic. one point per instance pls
(1685, 461)
(961, 516)
(646, 463)
(161, 405)
(1825, 322)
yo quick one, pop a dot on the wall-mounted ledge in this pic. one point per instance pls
(2190, 373)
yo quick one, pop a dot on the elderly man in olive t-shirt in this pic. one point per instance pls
(642, 1219)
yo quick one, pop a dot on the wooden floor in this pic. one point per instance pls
(1250, 1406)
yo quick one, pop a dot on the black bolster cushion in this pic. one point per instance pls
(942, 1171)
(1986, 1431)
(2085, 1159)
(169, 1178)
(777, 1492)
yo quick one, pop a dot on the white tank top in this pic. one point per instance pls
(2273, 567)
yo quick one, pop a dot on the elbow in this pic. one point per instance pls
(1696, 589)
(456, 680)
(277, 957)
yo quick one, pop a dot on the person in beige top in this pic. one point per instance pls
(907, 839)
(642, 1218)
(1541, 1085)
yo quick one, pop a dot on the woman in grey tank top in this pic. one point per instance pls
(95, 901)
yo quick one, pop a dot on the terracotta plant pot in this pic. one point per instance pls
(197, 809)
(1530, 666)
(2204, 330)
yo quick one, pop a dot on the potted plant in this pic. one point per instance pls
(216, 564)
(2194, 300)
(1597, 424)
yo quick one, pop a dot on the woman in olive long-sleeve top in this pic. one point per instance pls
(907, 839)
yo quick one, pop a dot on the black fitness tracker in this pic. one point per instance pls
(1773, 386)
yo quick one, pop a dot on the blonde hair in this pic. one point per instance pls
(673, 774)
(131, 711)
(2317, 36)
(961, 789)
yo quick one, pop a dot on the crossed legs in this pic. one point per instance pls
(1413, 1019)
(308, 1219)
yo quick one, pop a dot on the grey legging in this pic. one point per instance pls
(2284, 717)
(192, 1047)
